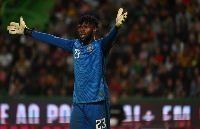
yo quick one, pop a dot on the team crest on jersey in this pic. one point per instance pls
(89, 48)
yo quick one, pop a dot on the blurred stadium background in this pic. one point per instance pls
(154, 65)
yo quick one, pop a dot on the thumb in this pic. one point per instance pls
(22, 23)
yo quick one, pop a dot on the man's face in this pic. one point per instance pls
(86, 32)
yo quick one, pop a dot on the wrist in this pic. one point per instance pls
(28, 31)
(118, 27)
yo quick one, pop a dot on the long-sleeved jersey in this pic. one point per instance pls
(89, 64)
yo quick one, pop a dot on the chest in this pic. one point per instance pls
(87, 51)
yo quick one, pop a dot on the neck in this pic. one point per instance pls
(88, 42)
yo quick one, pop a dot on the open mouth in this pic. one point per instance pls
(81, 35)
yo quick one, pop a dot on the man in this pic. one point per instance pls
(117, 114)
(90, 97)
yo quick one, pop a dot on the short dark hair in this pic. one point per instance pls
(89, 19)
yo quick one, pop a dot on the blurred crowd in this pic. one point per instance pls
(156, 52)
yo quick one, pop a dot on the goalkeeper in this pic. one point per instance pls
(91, 107)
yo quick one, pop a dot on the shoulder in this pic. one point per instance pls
(98, 41)
(76, 41)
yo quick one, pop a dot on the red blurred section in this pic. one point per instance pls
(57, 127)
(13, 127)
(3, 127)
(24, 127)
(34, 126)
(46, 127)
(67, 127)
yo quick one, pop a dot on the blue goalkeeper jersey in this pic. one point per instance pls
(89, 64)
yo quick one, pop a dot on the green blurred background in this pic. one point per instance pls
(36, 14)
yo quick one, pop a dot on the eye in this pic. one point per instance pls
(86, 26)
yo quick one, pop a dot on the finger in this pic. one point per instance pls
(12, 27)
(14, 24)
(125, 15)
(120, 11)
(120, 23)
(12, 32)
(8, 27)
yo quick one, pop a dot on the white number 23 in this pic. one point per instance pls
(101, 123)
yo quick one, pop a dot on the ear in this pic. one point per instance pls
(94, 30)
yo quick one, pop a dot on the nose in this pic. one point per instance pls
(81, 29)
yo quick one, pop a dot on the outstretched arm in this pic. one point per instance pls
(21, 28)
(107, 41)
(65, 44)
